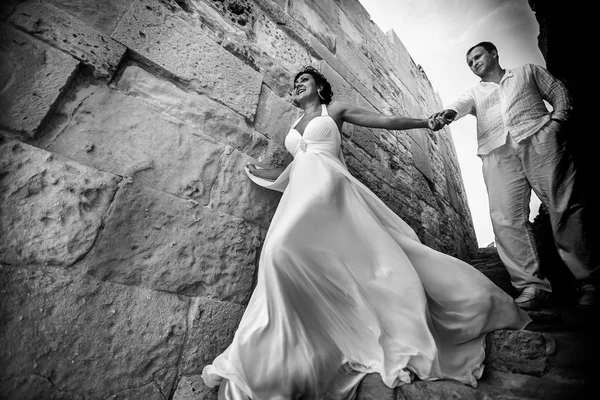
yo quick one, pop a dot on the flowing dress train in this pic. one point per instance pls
(345, 288)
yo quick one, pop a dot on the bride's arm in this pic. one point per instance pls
(265, 173)
(359, 116)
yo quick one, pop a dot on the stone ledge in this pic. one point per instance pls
(59, 29)
(26, 100)
(165, 39)
(72, 337)
(53, 208)
(155, 240)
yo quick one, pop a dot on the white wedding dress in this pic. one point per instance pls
(345, 288)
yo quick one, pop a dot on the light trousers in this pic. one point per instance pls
(542, 163)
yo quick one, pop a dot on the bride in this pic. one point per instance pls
(345, 288)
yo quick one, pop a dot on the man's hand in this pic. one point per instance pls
(446, 116)
(435, 123)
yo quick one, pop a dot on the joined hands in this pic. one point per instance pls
(440, 119)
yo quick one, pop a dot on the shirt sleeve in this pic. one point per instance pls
(554, 92)
(463, 106)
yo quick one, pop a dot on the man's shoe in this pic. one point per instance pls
(587, 295)
(532, 298)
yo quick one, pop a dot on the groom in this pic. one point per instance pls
(521, 145)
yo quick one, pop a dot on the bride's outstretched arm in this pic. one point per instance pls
(359, 116)
(265, 173)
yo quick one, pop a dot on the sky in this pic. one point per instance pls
(437, 35)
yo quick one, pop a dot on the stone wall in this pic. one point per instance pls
(129, 234)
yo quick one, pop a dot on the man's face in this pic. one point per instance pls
(481, 61)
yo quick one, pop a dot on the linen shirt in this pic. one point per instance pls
(513, 107)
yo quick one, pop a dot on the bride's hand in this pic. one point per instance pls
(252, 168)
(435, 123)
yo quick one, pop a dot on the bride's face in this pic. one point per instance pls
(305, 87)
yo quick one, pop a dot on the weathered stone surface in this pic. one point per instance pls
(373, 388)
(155, 240)
(350, 29)
(52, 208)
(192, 387)
(211, 332)
(274, 116)
(511, 386)
(521, 352)
(119, 134)
(7, 7)
(235, 194)
(206, 116)
(488, 262)
(267, 151)
(161, 36)
(277, 11)
(366, 139)
(73, 36)
(439, 390)
(312, 16)
(32, 77)
(405, 66)
(277, 55)
(347, 54)
(103, 15)
(71, 337)
(420, 153)
(342, 90)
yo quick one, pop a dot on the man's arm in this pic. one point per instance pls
(463, 106)
(554, 92)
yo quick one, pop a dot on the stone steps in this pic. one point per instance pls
(555, 358)
(519, 365)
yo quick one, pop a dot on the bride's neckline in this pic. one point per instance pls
(307, 124)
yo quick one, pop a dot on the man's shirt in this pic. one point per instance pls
(513, 107)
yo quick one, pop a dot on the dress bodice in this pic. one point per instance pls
(320, 135)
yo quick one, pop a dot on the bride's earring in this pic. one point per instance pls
(319, 93)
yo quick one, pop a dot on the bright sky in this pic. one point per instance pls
(437, 34)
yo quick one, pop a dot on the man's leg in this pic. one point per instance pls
(509, 194)
(551, 171)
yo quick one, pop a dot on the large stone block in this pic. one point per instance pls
(439, 390)
(207, 116)
(75, 37)
(349, 27)
(213, 325)
(277, 55)
(117, 133)
(7, 7)
(235, 194)
(348, 54)
(274, 116)
(522, 352)
(277, 12)
(192, 387)
(263, 37)
(159, 35)
(421, 154)
(103, 15)
(405, 66)
(32, 77)
(373, 388)
(316, 19)
(342, 90)
(155, 240)
(67, 337)
(52, 208)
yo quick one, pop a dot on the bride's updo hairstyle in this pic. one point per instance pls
(326, 93)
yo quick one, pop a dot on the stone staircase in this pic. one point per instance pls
(555, 358)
